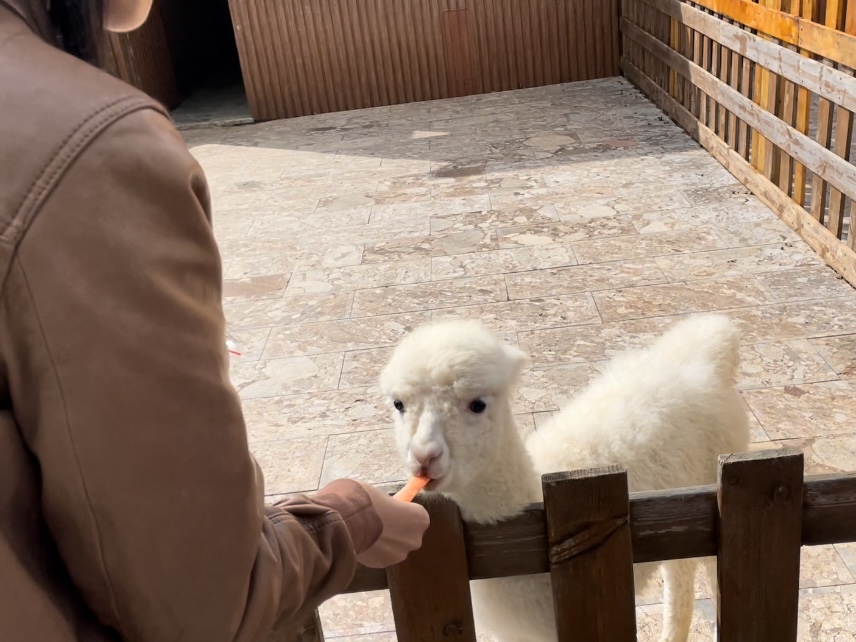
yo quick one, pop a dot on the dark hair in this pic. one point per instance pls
(79, 27)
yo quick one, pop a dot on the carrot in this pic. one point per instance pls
(411, 490)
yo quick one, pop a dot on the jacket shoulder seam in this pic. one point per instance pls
(66, 153)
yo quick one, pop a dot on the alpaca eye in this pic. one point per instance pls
(399, 405)
(477, 406)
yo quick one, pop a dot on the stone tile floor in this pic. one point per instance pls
(576, 220)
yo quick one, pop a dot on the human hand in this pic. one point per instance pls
(404, 523)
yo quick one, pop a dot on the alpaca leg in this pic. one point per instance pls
(679, 593)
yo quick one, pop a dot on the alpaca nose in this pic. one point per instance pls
(425, 455)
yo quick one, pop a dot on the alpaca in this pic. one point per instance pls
(664, 412)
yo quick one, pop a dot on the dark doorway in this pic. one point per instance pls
(186, 57)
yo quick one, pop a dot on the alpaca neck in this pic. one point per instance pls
(506, 485)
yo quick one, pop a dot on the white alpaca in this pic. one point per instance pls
(664, 413)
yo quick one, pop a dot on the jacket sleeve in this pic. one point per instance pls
(115, 350)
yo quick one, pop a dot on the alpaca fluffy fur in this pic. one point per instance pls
(664, 412)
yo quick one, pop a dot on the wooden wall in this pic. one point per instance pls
(302, 57)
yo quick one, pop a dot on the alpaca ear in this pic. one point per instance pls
(517, 360)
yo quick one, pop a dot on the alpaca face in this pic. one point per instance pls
(449, 385)
(444, 436)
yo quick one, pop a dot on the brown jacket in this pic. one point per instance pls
(130, 507)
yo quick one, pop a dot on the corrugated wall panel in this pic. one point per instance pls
(303, 57)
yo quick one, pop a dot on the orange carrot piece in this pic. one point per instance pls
(411, 490)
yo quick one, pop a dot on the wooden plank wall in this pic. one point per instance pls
(303, 57)
(767, 87)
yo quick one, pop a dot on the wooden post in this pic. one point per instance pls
(591, 559)
(760, 498)
(430, 591)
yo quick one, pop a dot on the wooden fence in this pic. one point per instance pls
(768, 89)
(754, 520)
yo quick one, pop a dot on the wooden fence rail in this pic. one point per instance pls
(769, 91)
(754, 520)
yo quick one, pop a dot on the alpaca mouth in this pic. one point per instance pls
(434, 484)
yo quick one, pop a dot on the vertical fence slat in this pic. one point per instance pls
(834, 15)
(841, 146)
(760, 497)
(591, 559)
(707, 104)
(734, 83)
(770, 159)
(723, 69)
(850, 27)
(789, 112)
(430, 591)
(746, 132)
(674, 43)
(843, 132)
(807, 10)
(698, 97)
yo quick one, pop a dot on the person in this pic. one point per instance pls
(130, 506)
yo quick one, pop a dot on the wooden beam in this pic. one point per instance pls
(760, 533)
(588, 534)
(836, 254)
(832, 84)
(820, 39)
(819, 160)
(826, 516)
